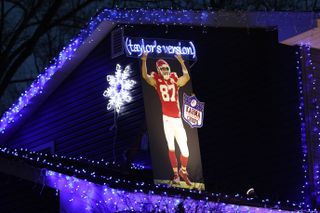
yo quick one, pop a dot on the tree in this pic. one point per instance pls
(36, 30)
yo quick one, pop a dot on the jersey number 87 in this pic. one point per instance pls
(164, 89)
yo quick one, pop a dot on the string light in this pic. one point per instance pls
(72, 175)
(81, 194)
(301, 89)
(313, 122)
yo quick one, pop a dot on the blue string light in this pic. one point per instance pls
(305, 186)
(74, 186)
(92, 197)
(313, 122)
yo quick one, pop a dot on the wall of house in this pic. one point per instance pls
(74, 120)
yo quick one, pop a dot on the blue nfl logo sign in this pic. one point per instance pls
(193, 111)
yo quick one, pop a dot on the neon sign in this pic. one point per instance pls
(135, 47)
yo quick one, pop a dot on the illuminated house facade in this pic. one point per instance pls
(253, 95)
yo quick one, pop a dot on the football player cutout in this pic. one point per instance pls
(167, 85)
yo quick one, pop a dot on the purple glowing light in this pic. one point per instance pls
(83, 196)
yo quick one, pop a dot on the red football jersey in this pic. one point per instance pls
(168, 94)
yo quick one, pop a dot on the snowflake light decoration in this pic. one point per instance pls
(119, 88)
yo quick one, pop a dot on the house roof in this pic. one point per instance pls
(287, 23)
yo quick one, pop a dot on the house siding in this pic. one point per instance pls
(75, 117)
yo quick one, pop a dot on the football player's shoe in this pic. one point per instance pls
(184, 175)
(176, 178)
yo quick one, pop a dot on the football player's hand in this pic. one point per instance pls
(179, 58)
(144, 56)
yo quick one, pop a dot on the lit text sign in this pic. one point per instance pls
(164, 48)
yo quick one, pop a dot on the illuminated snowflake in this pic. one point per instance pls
(119, 88)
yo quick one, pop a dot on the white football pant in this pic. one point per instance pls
(174, 129)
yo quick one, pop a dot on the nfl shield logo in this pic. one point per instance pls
(193, 111)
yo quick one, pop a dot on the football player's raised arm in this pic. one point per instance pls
(185, 77)
(144, 71)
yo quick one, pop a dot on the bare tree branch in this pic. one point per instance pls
(35, 61)
(71, 13)
(26, 48)
(22, 80)
(1, 22)
(71, 25)
(36, 19)
(27, 16)
(314, 7)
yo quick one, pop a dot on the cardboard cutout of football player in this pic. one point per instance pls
(167, 85)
